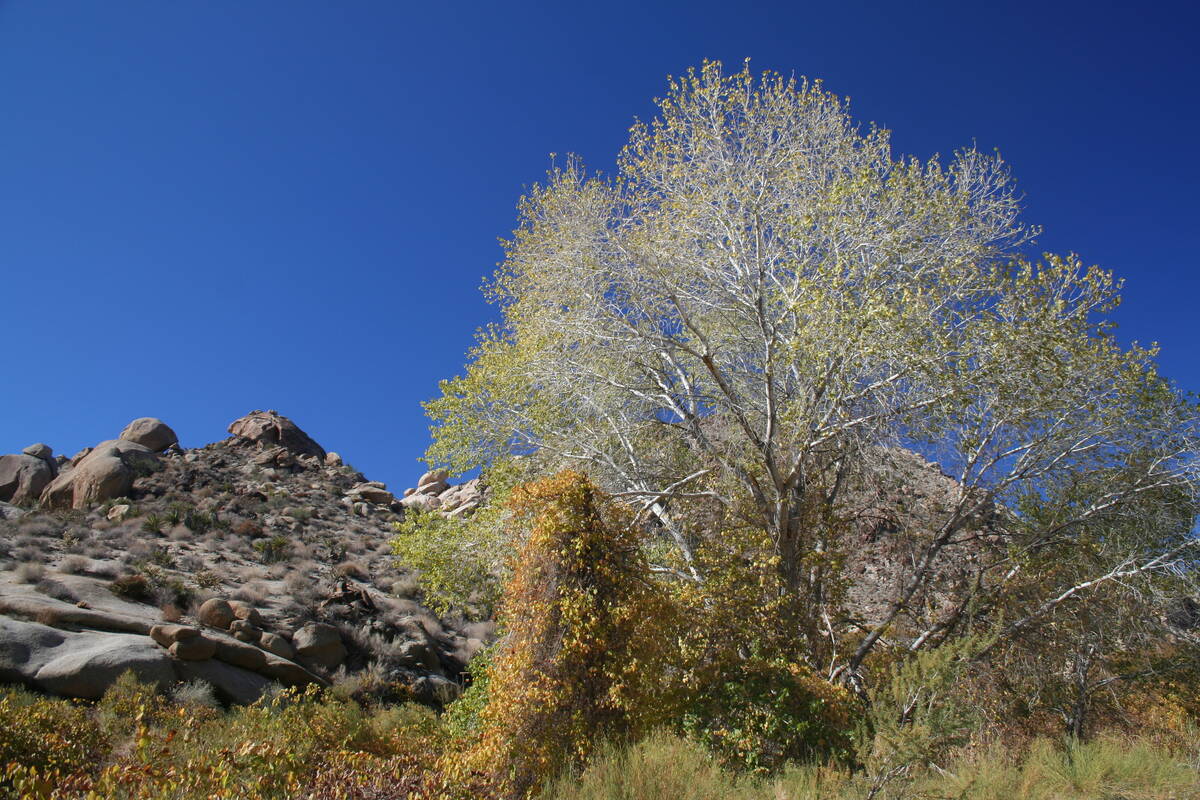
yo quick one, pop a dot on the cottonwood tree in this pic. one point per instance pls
(763, 298)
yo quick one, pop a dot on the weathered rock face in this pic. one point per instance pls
(462, 499)
(372, 492)
(43, 452)
(269, 429)
(153, 434)
(23, 478)
(274, 643)
(433, 482)
(320, 644)
(197, 649)
(104, 473)
(434, 493)
(167, 635)
(77, 664)
(422, 502)
(107, 470)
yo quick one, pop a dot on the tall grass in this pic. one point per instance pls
(1106, 768)
(666, 767)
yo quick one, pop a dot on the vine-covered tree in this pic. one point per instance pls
(764, 300)
(584, 627)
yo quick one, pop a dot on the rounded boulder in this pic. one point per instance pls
(151, 433)
(320, 644)
(216, 613)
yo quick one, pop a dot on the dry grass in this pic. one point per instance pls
(352, 569)
(254, 593)
(665, 767)
(30, 572)
(75, 565)
(52, 588)
(405, 586)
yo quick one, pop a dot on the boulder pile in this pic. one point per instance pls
(94, 475)
(259, 559)
(434, 493)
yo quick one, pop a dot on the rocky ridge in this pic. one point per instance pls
(257, 560)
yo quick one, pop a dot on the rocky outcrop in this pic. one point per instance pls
(199, 649)
(245, 562)
(422, 502)
(462, 499)
(45, 453)
(85, 663)
(106, 472)
(23, 477)
(77, 664)
(94, 662)
(434, 493)
(320, 644)
(269, 429)
(371, 492)
(153, 434)
(79, 652)
(56, 613)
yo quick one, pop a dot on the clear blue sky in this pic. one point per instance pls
(211, 206)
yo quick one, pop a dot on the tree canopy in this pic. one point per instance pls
(736, 328)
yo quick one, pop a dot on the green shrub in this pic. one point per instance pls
(134, 586)
(176, 513)
(765, 713)
(199, 521)
(272, 549)
(207, 579)
(47, 734)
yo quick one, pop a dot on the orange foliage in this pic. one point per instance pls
(584, 639)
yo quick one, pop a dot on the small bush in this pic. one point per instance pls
(30, 572)
(273, 549)
(767, 713)
(195, 693)
(134, 586)
(55, 589)
(176, 513)
(161, 557)
(661, 766)
(406, 586)
(300, 514)
(74, 565)
(44, 733)
(247, 527)
(129, 702)
(207, 579)
(199, 521)
(352, 569)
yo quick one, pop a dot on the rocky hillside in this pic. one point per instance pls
(257, 560)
